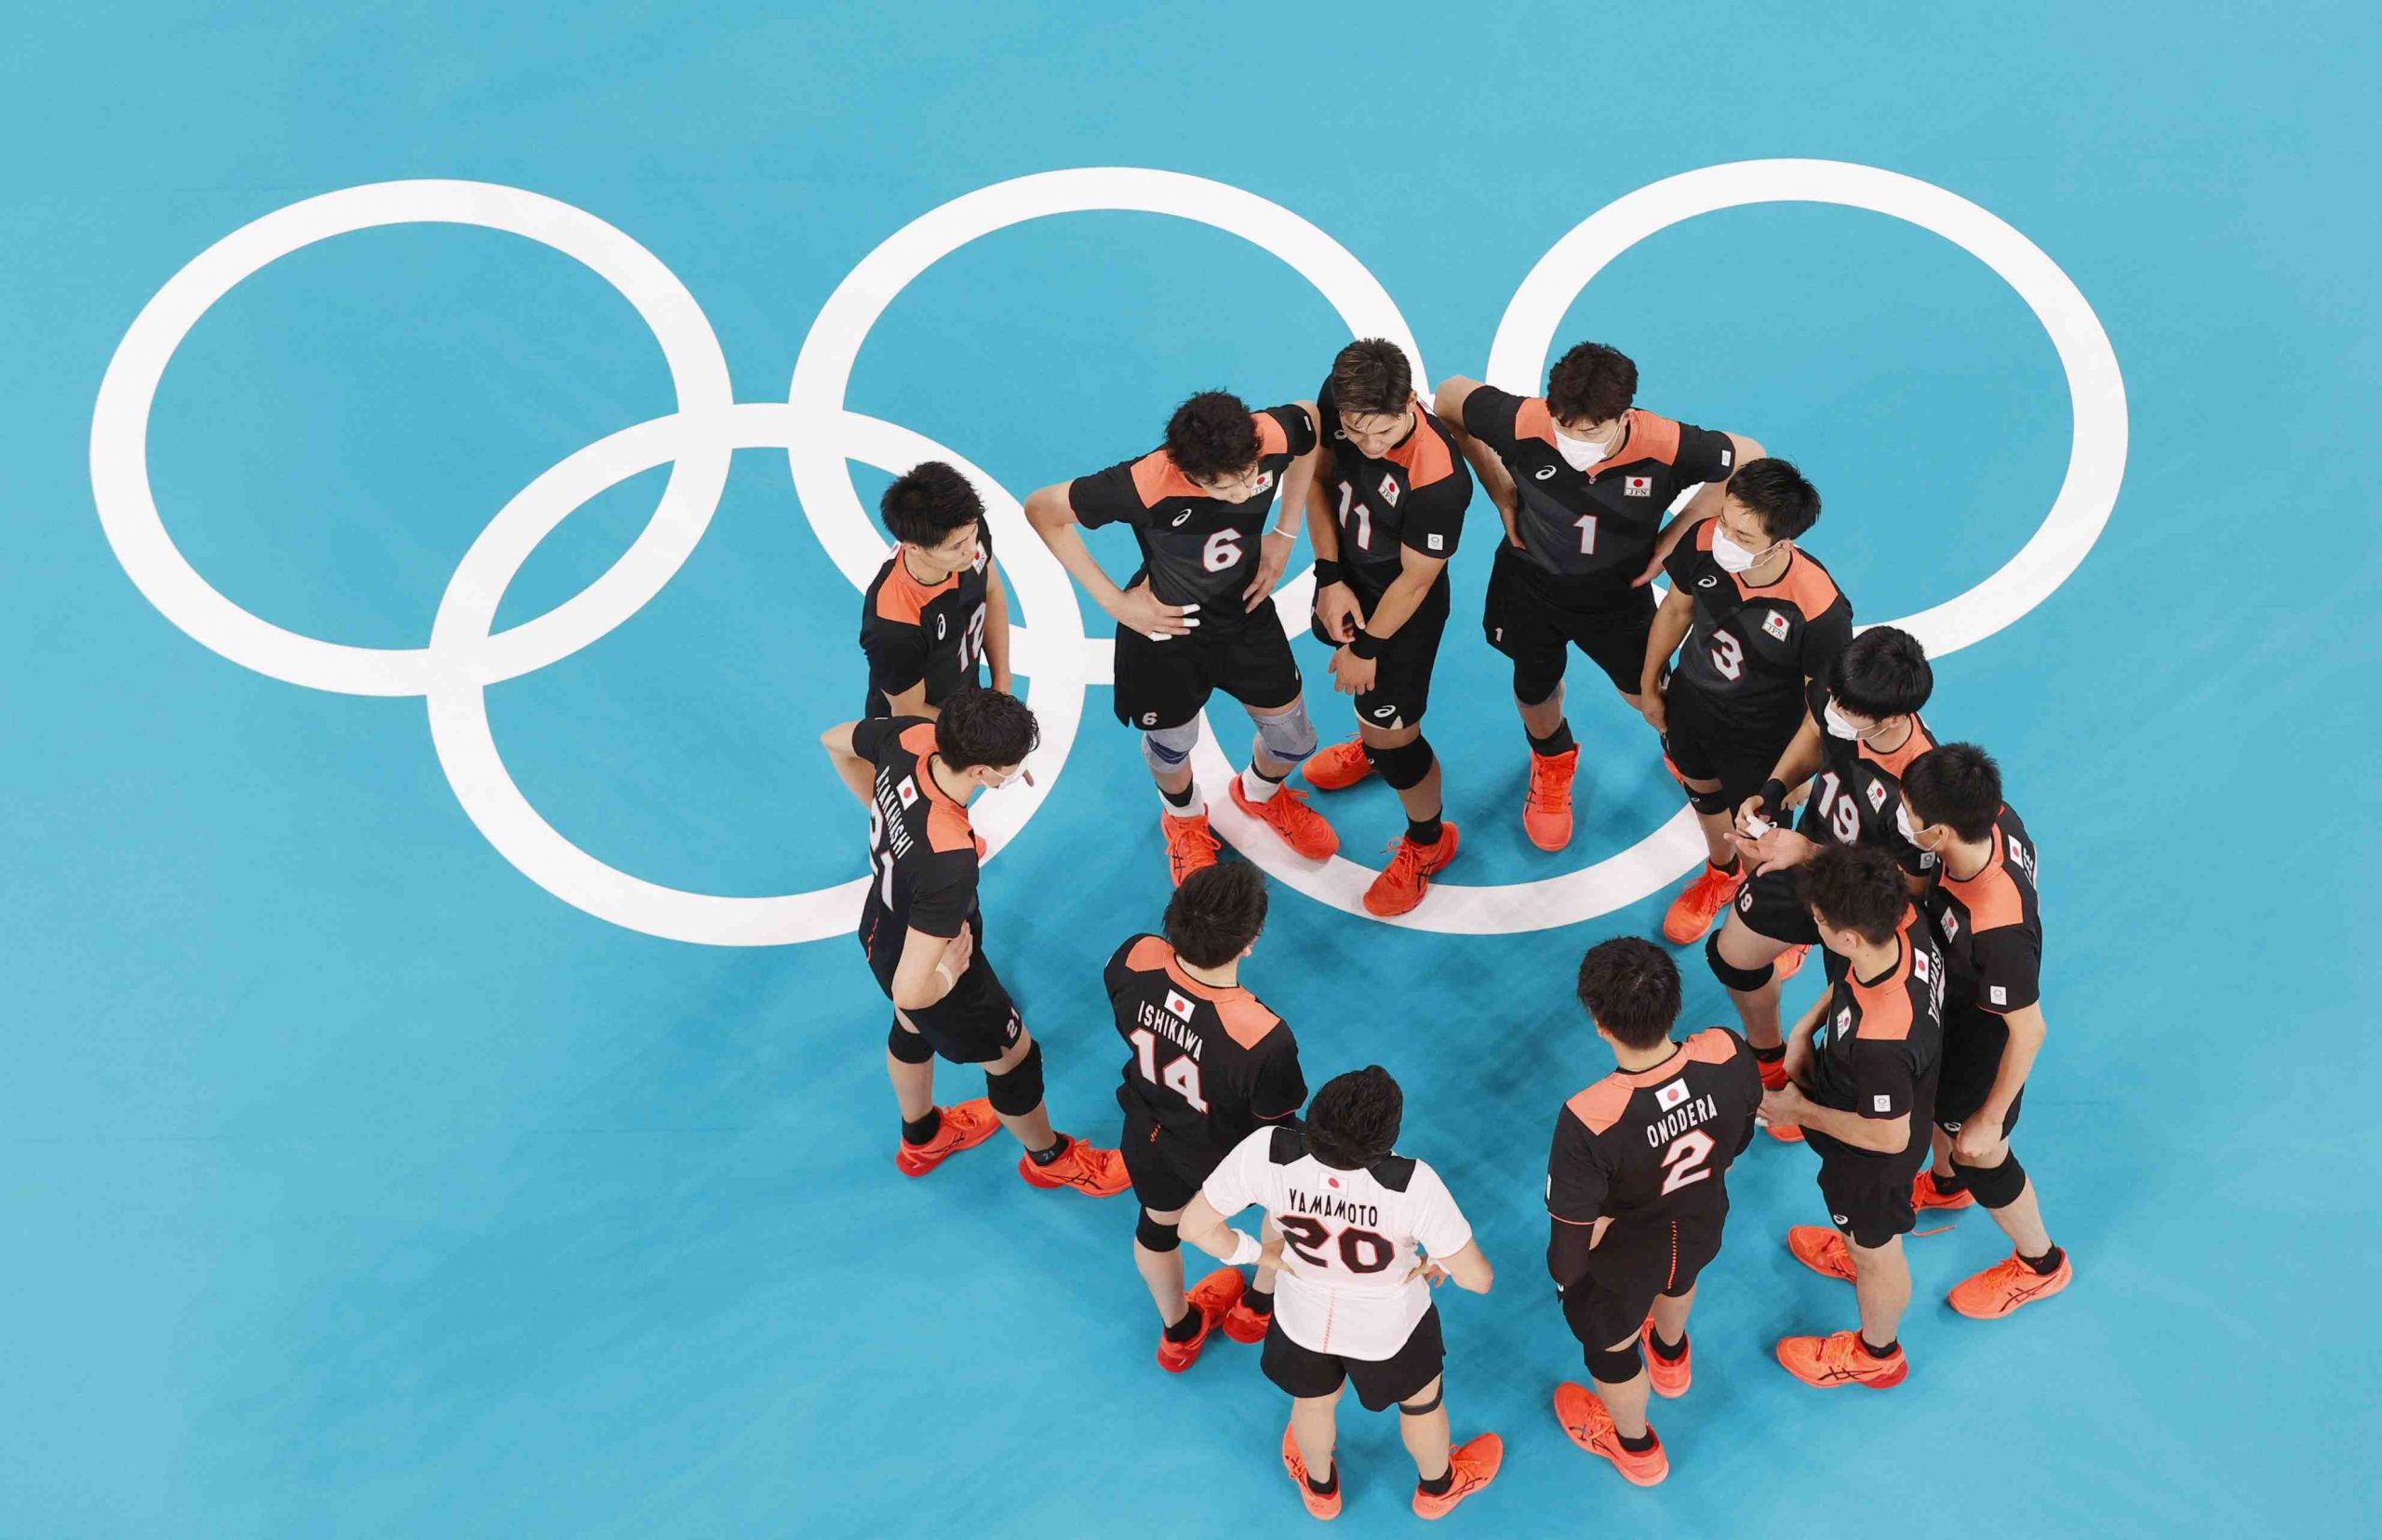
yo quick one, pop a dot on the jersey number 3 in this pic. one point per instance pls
(1182, 1073)
(1685, 1159)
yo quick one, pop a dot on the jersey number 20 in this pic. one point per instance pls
(1360, 1251)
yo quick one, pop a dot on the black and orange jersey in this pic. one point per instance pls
(1753, 652)
(1412, 497)
(1656, 1142)
(1593, 531)
(922, 850)
(1880, 1041)
(913, 631)
(1856, 798)
(1197, 549)
(1208, 1065)
(1992, 927)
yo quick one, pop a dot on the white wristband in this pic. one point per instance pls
(1245, 1250)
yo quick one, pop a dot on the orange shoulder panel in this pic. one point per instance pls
(919, 742)
(1150, 954)
(1156, 480)
(1425, 454)
(900, 597)
(947, 827)
(1602, 1103)
(1991, 896)
(1531, 420)
(1805, 587)
(1247, 1020)
(1651, 438)
(1710, 1046)
(1919, 742)
(1271, 439)
(1705, 530)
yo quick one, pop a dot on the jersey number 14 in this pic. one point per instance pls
(1181, 1075)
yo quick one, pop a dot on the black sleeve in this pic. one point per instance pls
(1567, 1250)
(1489, 417)
(943, 891)
(1575, 1178)
(1704, 455)
(1825, 635)
(1434, 521)
(1750, 1088)
(897, 656)
(2009, 965)
(1681, 565)
(1297, 426)
(1881, 1079)
(1327, 414)
(1280, 1089)
(1106, 497)
(1113, 976)
(869, 738)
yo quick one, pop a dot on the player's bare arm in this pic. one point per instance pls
(1798, 764)
(1469, 1268)
(1336, 608)
(996, 626)
(1447, 405)
(1205, 1228)
(930, 967)
(1282, 536)
(1054, 520)
(1672, 621)
(1981, 1134)
(858, 775)
(1703, 505)
(1416, 573)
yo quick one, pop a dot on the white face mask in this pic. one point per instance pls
(1012, 779)
(1730, 556)
(1579, 453)
(1838, 724)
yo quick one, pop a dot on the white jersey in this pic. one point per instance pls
(1348, 1284)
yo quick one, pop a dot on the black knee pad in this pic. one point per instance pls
(1537, 679)
(1608, 1367)
(1402, 767)
(1996, 1187)
(1707, 802)
(1424, 1409)
(908, 1046)
(1019, 1092)
(1155, 1236)
(1745, 981)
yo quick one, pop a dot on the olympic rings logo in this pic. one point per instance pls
(820, 436)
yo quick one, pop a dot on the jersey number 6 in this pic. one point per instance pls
(1222, 551)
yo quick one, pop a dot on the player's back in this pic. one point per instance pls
(1660, 1140)
(1209, 1062)
(923, 852)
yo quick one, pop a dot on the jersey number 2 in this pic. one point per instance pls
(1685, 1159)
(1181, 1075)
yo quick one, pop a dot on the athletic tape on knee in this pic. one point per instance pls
(1995, 1186)
(1155, 1236)
(1426, 1408)
(1745, 981)
(1607, 1366)
(1287, 736)
(1403, 767)
(907, 1045)
(1169, 749)
(1019, 1092)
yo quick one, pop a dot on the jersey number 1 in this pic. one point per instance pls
(1364, 517)
(1182, 1073)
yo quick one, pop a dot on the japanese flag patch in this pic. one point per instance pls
(907, 791)
(1877, 797)
(1389, 489)
(1638, 486)
(1264, 479)
(1178, 1005)
(1774, 624)
(1671, 1095)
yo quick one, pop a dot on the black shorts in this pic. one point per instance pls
(1868, 1194)
(1770, 907)
(1705, 746)
(974, 1025)
(1630, 1267)
(1380, 1383)
(1401, 691)
(1524, 622)
(1973, 1043)
(1166, 1172)
(1165, 684)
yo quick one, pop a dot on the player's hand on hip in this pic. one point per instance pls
(1656, 711)
(1337, 612)
(1352, 674)
(1273, 555)
(1142, 611)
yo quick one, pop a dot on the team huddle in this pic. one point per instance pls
(1832, 818)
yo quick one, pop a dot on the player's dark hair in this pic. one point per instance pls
(1958, 783)
(926, 502)
(1591, 384)
(985, 727)
(1776, 494)
(1216, 912)
(1211, 435)
(1353, 1120)
(1371, 376)
(1854, 888)
(1882, 673)
(1631, 989)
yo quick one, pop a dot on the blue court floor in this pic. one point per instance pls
(441, 1098)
